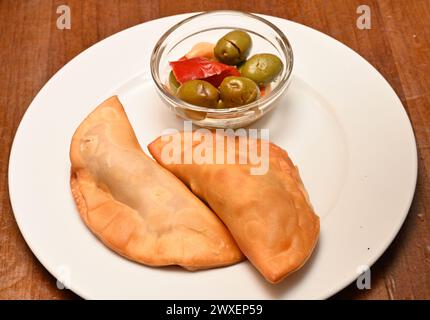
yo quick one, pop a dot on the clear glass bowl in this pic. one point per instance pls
(209, 27)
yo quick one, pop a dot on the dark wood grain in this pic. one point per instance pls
(32, 49)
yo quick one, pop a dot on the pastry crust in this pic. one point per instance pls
(269, 215)
(135, 206)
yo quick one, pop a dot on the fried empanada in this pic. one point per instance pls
(269, 214)
(135, 206)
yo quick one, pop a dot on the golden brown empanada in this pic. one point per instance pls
(135, 206)
(269, 215)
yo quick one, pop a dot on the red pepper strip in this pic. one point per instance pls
(201, 68)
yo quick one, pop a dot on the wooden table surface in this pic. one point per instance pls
(32, 49)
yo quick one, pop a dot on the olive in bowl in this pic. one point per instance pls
(261, 68)
(233, 48)
(173, 83)
(238, 91)
(199, 92)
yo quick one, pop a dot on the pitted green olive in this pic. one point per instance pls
(173, 83)
(233, 48)
(240, 67)
(261, 68)
(238, 91)
(220, 105)
(199, 92)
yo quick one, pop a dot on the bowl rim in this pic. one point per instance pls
(278, 90)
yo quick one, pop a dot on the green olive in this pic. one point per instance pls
(220, 104)
(262, 68)
(238, 91)
(240, 67)
(199, 92)
(173, 83)
(233, 48)
(194, 115)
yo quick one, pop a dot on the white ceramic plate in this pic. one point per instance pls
(340, 121)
